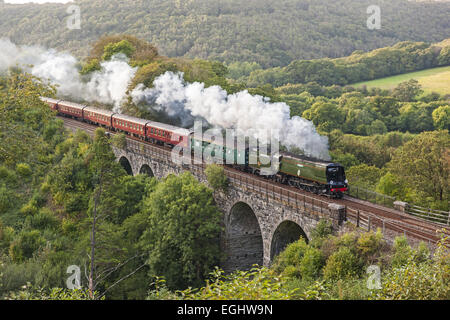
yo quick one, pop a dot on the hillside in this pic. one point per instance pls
(431, 80)
(272, 33)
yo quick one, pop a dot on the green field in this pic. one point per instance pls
(432, 80)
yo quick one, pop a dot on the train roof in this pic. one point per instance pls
(168, 127)
(159, 125)
(104, 112)
(154, 124)
(130, 118)
(71, 104)
(51, 100)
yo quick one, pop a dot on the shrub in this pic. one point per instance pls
(6, 197)
(216, 177)
(291, 256)
(26, 244)
(422, 253)
(414, 282)
(322, 230)
(43, 220)
(256, 284)
(320, 233)
(343, 264)
(119, 141)
(6, 236)
(7, 176)
(369, 245)
(312, 263)
(402, 252)
(23, 169)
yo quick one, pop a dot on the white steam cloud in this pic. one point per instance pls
(108, 85)
(241, 111)
(170, 94)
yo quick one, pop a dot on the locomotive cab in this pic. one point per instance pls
(337, 182)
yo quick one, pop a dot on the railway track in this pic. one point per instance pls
(361, 212)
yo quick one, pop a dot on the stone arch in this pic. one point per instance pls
(243, 239)
(146, 169)
(285, 233)
(126, 165)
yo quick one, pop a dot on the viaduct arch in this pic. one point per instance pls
(258, 224)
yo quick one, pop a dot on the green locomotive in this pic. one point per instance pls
(314, 175)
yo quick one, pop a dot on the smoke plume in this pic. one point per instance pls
(241, 111)
(108, 85)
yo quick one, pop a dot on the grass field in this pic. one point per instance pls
(432, 80)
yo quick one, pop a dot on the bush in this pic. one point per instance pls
(6, 198)
(26, 244)
(23, 169)
(7, 176)
(312, 263)
(320, 233)
(216, 177)
(290, 257)
(343, 264)
(256, 284)
(402, 252)
(414, 282)
(45, 219)
(369, 245)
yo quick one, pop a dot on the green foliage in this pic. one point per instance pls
(311, 263)
(182, 237)
(123, 47)
(342, 264)
(91, 66)
(325, 116)
(23, 169)
(441, 118)
(268, 33)
(25, 245)
(415, 277)
(119, 140)
(444, 56)
(391, 185)
(259, 283)
(402, 252)
(370, 246)
(364, 176)
(288, 261)
(407, 91)
(423, 164)
(216, 177)
(28, 292)
(403, 57)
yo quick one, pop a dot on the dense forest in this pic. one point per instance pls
(59, 189)
(400, 58)
(269, 33)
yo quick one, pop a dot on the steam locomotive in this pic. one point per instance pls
(314, 175)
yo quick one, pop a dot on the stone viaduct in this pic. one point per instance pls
(259, 218)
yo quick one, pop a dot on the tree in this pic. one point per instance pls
(123, 47)
(423, 164)
(326, 116)
(407, 91)
(441, 118)
(105, 172)
(182, 237)
(216, 177)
